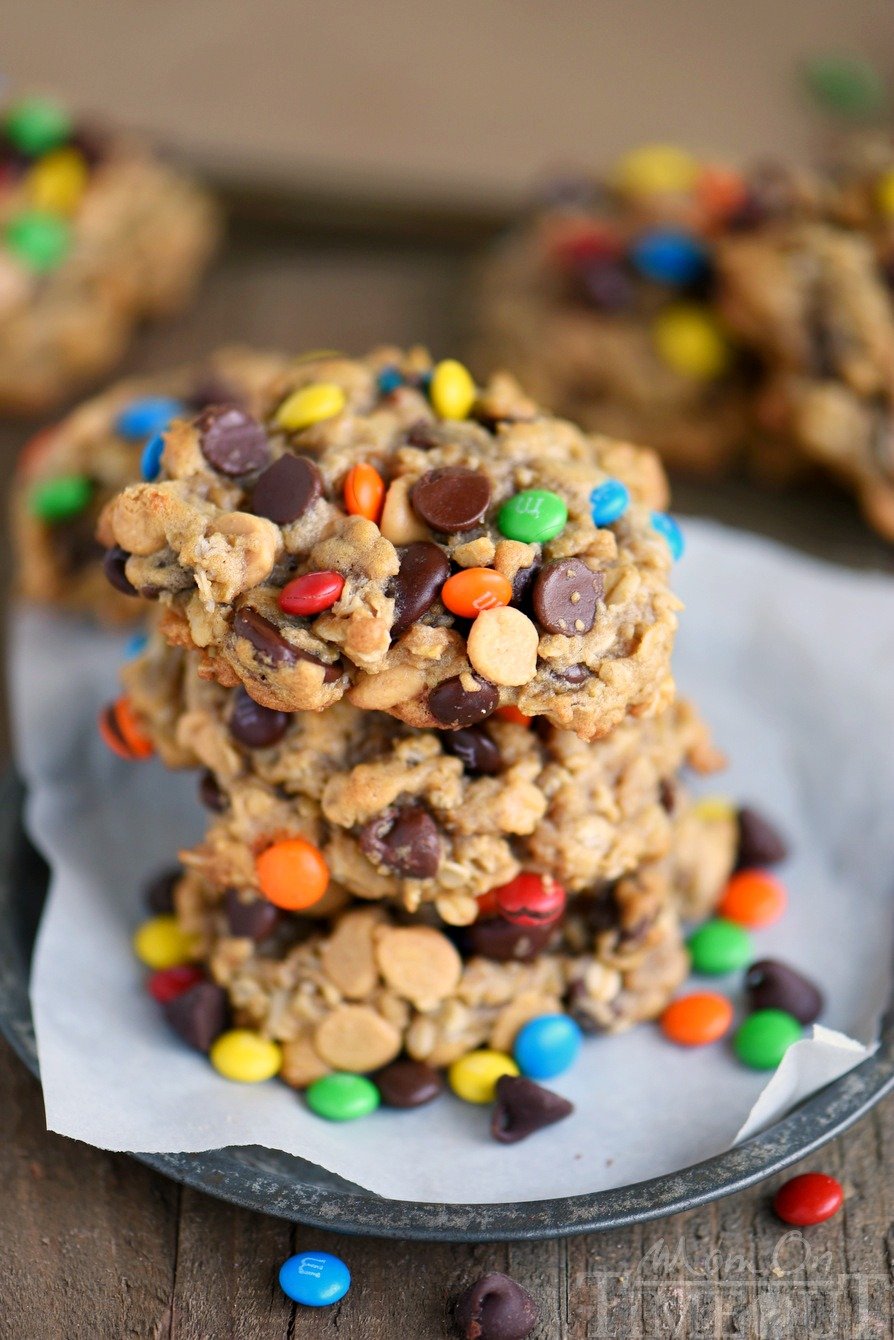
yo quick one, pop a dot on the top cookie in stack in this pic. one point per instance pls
(382, 529)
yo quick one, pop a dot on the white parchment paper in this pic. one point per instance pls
(789, 659)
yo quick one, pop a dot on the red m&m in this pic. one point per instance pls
(168, 983)
(530, 900)
(810, 1198)
(312, 593)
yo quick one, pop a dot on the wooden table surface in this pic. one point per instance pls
(94, 1245)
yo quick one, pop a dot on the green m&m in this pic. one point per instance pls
(342, 1097)
(35, 126)
(60, 498)
(846, 85)
(764, 1037)
(534, 516)
(39, 240)
(719, 947)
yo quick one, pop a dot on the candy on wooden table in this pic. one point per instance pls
(809, 1198)
(314, 1279)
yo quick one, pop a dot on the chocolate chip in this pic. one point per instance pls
(113, 566)
(496, 1308)
(254, 920)
(503, 942)
(760, 843)
(159, 892)
(273, 648)
(422, 434)
(451, 499)
(573, 674)
(452, 705)
(409, 1084)
(479, 754)
(667, 794)
(210, 794)
(286, 489)
(75, 544)
(255, 726)
(405, 841)
(521, 582)
(199, 1015)
(566, 594)
(771, 985)
(424, 568)
(231, 440)
(523, 1107)
(214, 390)
(605, 285)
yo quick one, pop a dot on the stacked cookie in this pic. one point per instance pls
(427, 680)
(711, 313)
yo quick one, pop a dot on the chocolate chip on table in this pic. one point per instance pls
(451, 499)
(199, 1015)
(255, 726)
(286, 489)
(524, 1107)
(760, 842)
(113, 566)
(495, 1308)
(409, 1084)
(210, 793)
(405, 841)
(505, 942)
(159, 892)
(232, 441)
(452, 705)
(566, 594)
(771, 985)
(424, 568)
(252, 920)
(479, 755)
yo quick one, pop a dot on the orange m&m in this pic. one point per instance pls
(469, 592)
(511, 713)
(364, 491)
(120, 731)
(697, 1019)
(753, 898)
(292, 874)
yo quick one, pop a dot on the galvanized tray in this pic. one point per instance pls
(278, 1184)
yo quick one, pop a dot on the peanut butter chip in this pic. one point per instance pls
(300, 1063)
(502, 646)
(355, 1038)
(347, 957)
(419, 963)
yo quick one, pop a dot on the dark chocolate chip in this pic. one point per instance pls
(424, 568)
(113, 566)
(273, 648)
(210, 794)
(422, 434)
(452, 705)
(255, 726)
(406, 841)
(667, 794)
(199, 1015)
(760, 843)
(159, 892)
(523, 1107)
(253, 920)
(504, 942)
(92, 142)
(573, 674)
(495, 1308)
(232, 441)
(75, 544)
(566, 594)
(521, 582)
(408, 1084)
(771, 985)
(286, 489)
(479, 754)
(451, 499)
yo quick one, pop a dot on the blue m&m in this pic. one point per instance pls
(665, 524)
(315, 1279)
(148, 416)
(547, 1046)
(150, 461)
(389, 379)
(669, 257)
(609, 502)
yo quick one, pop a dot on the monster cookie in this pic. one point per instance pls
(388, 531)
(68, 472)
(95, 235)
(353, 994)
(414, 817)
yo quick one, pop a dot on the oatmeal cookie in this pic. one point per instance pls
(96, 234)
(68, 472)
(313, 552)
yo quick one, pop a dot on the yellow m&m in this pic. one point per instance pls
(452, 390)
(57, 182)
(309, 405)
(245, 1056)
(473, 1077)
(714, 809)
(160, 943)
(656, 169)
(691, 342)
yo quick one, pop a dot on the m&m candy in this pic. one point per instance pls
(669, 257)
(753, 898)
(690, 341)
(547, 1046)
(364, 491)
(312, 593)
(697, 1019)
(609, 502)
(36, 125)
(656, 169)
(40, 240)
(245, 1056)
(342, 1097)
(161, 943)
(167, 984)
(121, 732)
(669, 528)
(719, 947)
(451, 390)
(534, 516)
(314, 1279)
(810, 1198)
(150, 461)
(469, 592)
(473, 1077)
(530, 900)
(148, 416)
(60, 498)
(292, 874)
(764, 1037)
(57, 182)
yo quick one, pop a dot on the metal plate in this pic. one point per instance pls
(278, 1184)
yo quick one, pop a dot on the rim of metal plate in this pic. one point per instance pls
(278, 1184)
